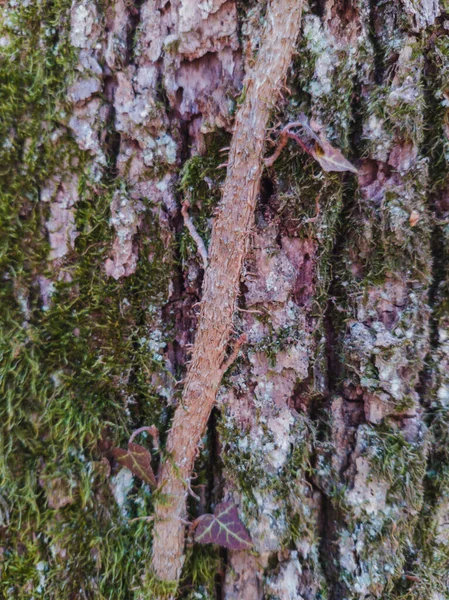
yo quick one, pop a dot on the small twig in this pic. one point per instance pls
(275, 127)
(227, 254)
(412, 578)
(193, 232)
(231, 358)
(152, 430)
(283, 139)
(223, 165)
(252, 312)
(141, 519)
(192, 493)
(287, 133)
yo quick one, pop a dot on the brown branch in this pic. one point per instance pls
(284, 136)
(229, 243)
(152, 430)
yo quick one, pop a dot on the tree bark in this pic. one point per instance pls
(329, 431)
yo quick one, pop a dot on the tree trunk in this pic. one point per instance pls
(330, 430)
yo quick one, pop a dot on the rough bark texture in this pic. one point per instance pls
(229, 242)
(330, 431)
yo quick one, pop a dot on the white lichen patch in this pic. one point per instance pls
(85, 24)
(387, 330)
(84, 89)
(163, 149)
(442, 389)
(284, 585)
(421, 13)
(374, 130)
(322, 51)
(47, 289)
(135, 102)
(41, 568)
(390, 370)
(442, 520)
(368, 494)
(84, 124)
(270, 525)
(280, 427)
(125, 218)
(348, 558)
(275, 272)
(121, 484)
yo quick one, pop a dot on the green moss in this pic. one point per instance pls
(242, 465)
(323, 81)
(425, 572)
(202, 566)
(401, 463)
(200, 183)
(76, 375)
(277, 341)
(156, 588)
(245, 465)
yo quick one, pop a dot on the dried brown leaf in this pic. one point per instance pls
(330, 158)
(414, 218)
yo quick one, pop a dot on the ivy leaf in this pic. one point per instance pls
(138, 460)
(224, 528)
(330, 158)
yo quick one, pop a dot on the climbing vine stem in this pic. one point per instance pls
(229, 243)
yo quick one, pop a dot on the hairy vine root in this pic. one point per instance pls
(221, 282)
